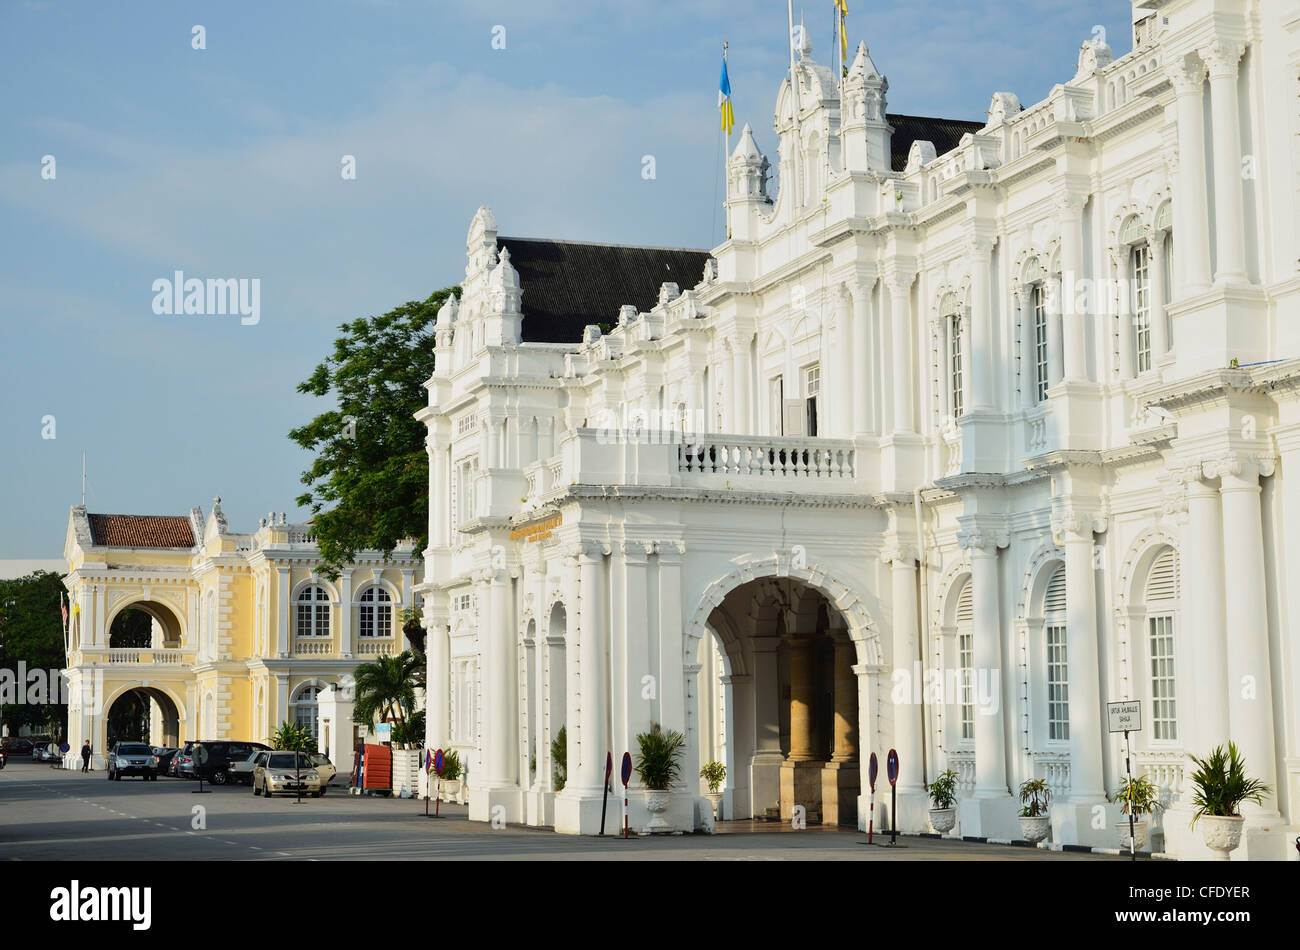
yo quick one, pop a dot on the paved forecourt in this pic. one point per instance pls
(52, 814)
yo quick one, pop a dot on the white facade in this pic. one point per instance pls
(1018, 416)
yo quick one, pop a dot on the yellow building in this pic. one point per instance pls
(204, 633)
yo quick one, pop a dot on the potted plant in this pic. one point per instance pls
(1138, 797)
(1035, 825)
(943, 801)
(714, 773)
(451, 773)
(1221, 785)
(657, 767)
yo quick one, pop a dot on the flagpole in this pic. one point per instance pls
(726, 149)
(794, 108)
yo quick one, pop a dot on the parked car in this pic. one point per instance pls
(183, 761)
(324, 768)
(241, 771)
(40, 752)
(221, 753)
(19, 746)
(285, 773)
(2, 758)
(130, 758)
(163, 759)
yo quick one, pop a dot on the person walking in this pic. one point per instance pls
(85, 756)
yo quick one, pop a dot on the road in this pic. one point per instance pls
(56, 815)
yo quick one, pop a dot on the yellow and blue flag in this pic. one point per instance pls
(724, 98)
(843, 7)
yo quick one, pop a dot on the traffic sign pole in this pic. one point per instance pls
(604, 800)
(626, 774)
(1132, 831)
(872, 771)
(891, 765)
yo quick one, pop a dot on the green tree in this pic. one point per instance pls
(385, 689)
(369, 484)
(31, 631)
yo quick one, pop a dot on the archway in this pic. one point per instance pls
(143, 714)
(145, 624)
(778, 700)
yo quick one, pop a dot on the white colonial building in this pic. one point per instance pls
(967, 430)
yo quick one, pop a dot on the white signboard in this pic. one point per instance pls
(1125, 717)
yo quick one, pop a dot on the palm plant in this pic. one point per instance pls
(560, 758)
(656, 764)
(385, 688)
(1137, 795)
(293, 738)
(451, 767)
(1034, 796)
(1222, 784)
(943, 790)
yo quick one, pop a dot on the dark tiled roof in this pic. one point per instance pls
(141, 531)
(569, 284)
(944, 133)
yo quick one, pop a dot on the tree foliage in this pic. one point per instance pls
(31, 631)
(292, 737)
(385, 689)
(369, 484)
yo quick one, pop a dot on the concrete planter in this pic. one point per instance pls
(943, 820)
(1035, 830)
(1221, 834)
(656, 802)
(714, 798)
(1141, 832)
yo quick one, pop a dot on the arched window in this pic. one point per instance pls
(966, 661)
(376, 613)
(950, 309)
(1058, 684)
(313, 612)
(1133, 236)
(305, 710)
(1037, 329)
(1162, 593)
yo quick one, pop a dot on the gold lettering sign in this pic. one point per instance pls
(539, 531)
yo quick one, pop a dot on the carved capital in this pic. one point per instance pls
(670, 552)
(1069, 204)
(983, 540)
(590, 550)
(1222, 57)
(1186, 74)
(899, 555)
(1240, 465)
(980, 246)
(1076, 526)
(636, 552)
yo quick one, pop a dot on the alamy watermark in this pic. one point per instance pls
(215, 296)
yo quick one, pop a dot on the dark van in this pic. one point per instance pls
(221, 753)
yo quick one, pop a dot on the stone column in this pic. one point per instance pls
(990, 743)
(1192, 233)
(1087, 781)
(860, 363)
(1159, 296)
(1074, 322)
(345, 614)
(845, 739)
(1127, 326)
(740, 375)
(907, 716)
(438, 493)
(437, 689)
(801, 698)
(671, 705)
(978, 354)
(1202, 565)
(900, 291)
(839, 388)
(1249, 670)
(636, 635)
(1229, 217)
(284, 611)
(499, 701)
(1055, 333)
(1022, 304)
(589, 775)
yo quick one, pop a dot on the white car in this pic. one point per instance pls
(285, 773)
(324, 768)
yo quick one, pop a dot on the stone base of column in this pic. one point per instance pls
(984, 441)
(992, 817)
(913, 809)
(1075, 823)
(902, 461)
(801, 784)
(497, 804)
(765, 773)
(540, 808)
(1075, 416)
(841, 782)
(1226, 323)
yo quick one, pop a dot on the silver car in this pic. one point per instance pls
(285, 773)
(131, 758)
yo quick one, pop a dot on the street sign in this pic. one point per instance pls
(1125, 716)
(64, 748)
(873, 770)
(627, 768)
(891, 766)
(437, 762)
(384, 732)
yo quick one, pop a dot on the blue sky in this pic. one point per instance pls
(225, 162)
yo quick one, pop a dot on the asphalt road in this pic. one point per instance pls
(52, 814)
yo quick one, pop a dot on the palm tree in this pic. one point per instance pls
(385, 688)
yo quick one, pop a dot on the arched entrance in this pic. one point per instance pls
(143, 625)
(777, 699)
(143, 714)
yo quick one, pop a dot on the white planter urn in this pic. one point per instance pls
(714, 798)
(1141, 832)
(943, 820)
(656, 802)
(1222, 834)
(1036, 829)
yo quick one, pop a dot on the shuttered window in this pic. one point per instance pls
(1162, 598)
(1058, 682)
(966, 661)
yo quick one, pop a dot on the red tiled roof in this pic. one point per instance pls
(141, 531)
